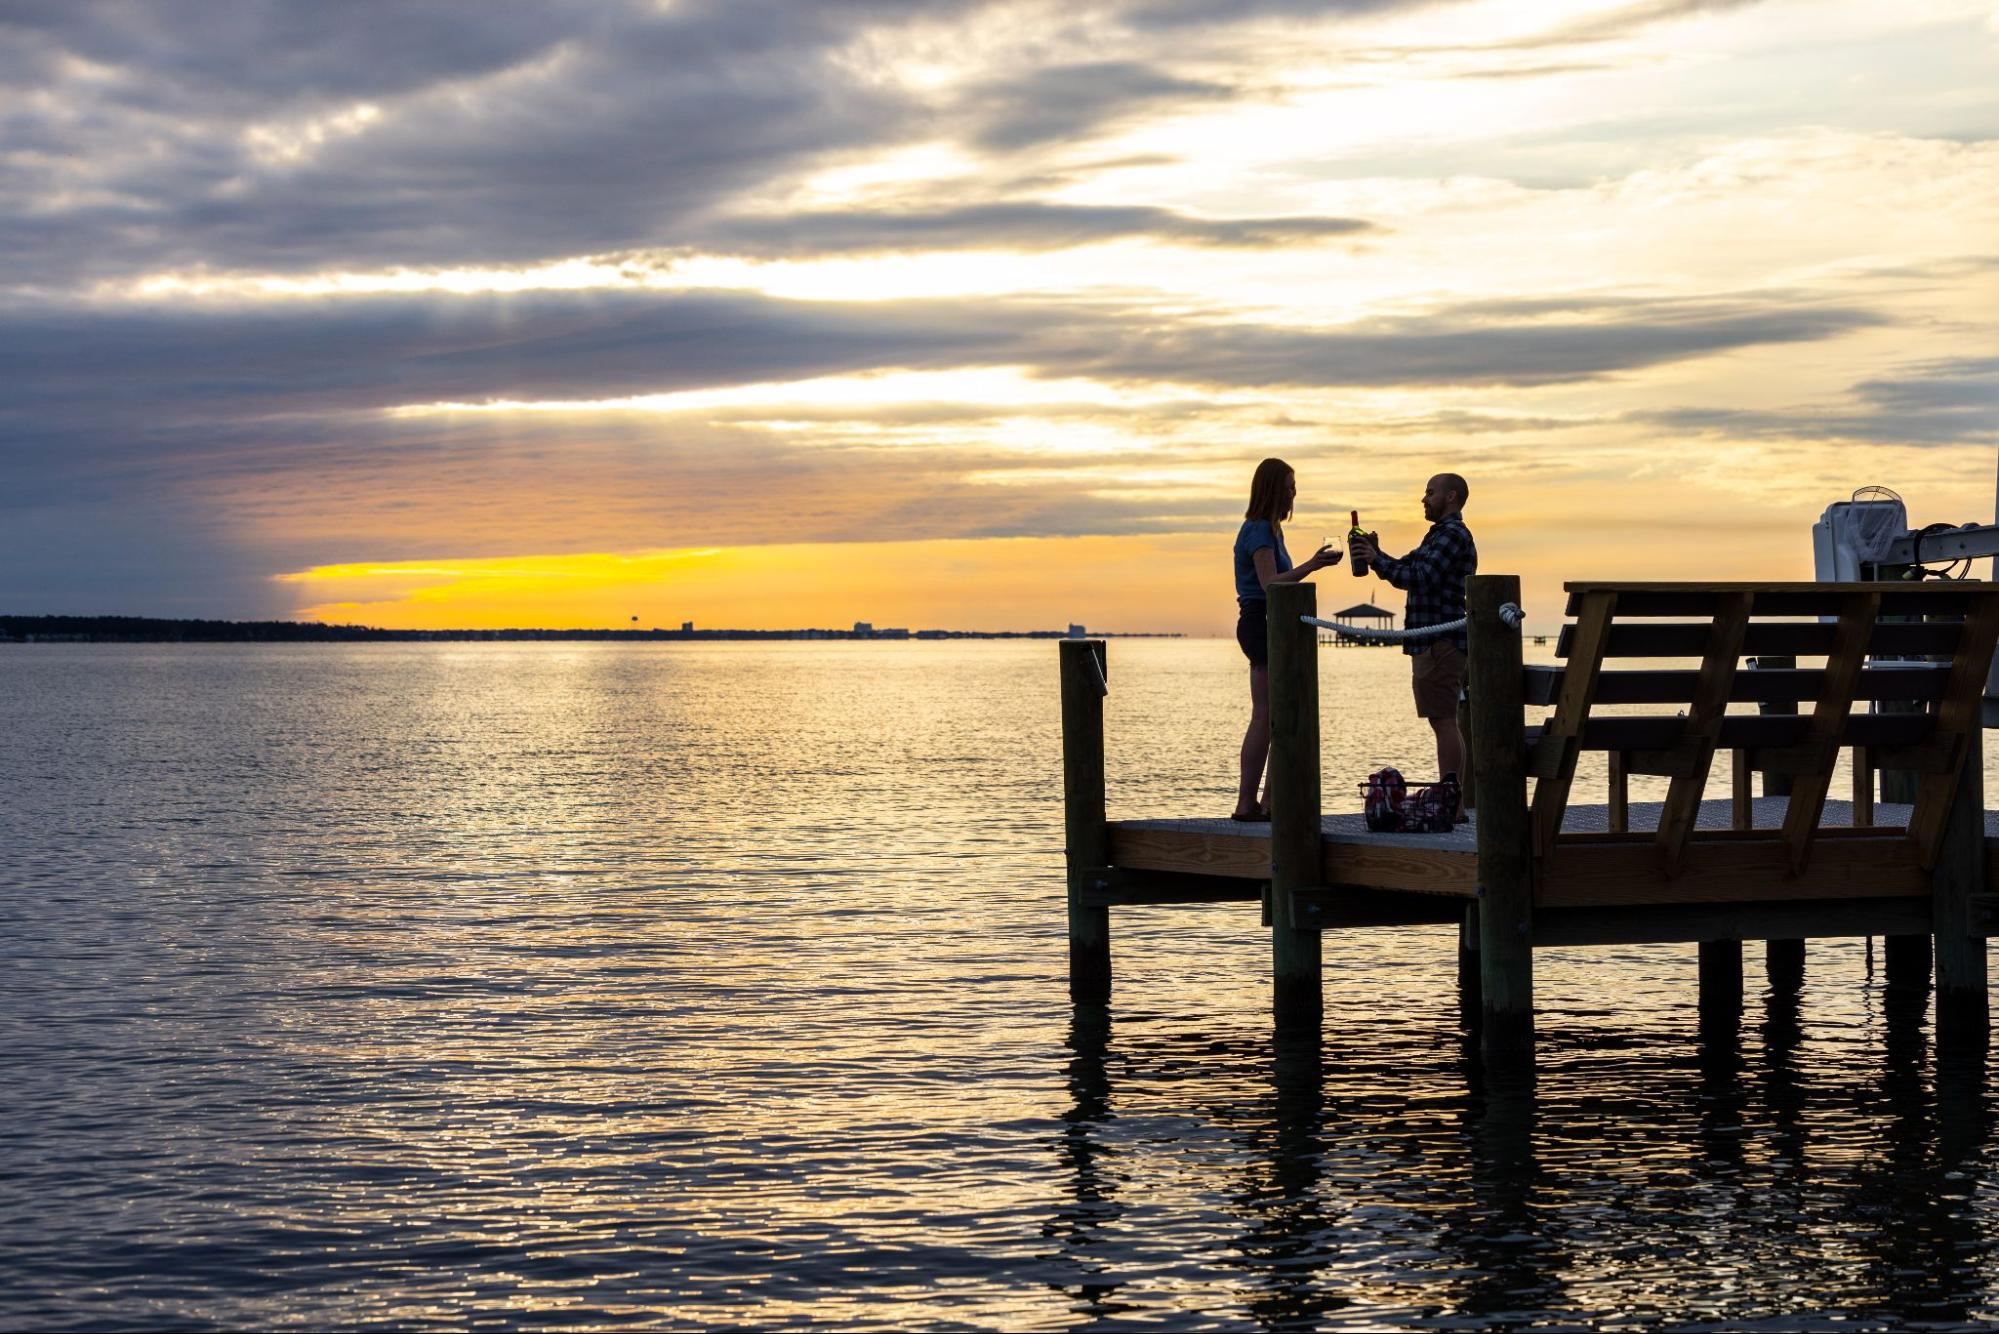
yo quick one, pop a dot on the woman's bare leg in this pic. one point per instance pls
(1255, 743)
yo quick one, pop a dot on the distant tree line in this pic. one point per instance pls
(156, 630)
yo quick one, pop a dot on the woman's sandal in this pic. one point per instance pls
(1260, 817)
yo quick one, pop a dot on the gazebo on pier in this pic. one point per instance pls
(1365, 613)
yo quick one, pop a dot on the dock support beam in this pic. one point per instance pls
(1959, 877)
(1505, 840)
(1085, 672)
(1295, 851)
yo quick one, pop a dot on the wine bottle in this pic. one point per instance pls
(1359, 570)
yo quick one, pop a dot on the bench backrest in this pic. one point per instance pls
(1921, 650)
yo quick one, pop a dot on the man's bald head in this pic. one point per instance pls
(1444, 495)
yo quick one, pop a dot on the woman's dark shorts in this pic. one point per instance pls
(1252, 630)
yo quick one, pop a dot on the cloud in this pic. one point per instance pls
(290, 138)
(1013, 226)
(1944, 402)
(186, 363)
(1070, 101)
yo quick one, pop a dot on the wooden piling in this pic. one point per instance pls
(1955, 884)
(1720, 985)
(1905, 959)
(1505, 831)
(1295, 854)
(1469, 1004)
(1085, 675)
(1783, 960)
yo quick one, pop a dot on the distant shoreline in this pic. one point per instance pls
(154, 630)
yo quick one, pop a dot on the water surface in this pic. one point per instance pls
(722, 984)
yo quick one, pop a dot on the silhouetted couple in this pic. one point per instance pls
(1433, 575)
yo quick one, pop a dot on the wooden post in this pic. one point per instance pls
(1720, 985)
(1295, 835)
(1958, 878)
(1505, 829)
(1085, 674)
(1905, 959)
(1783, 960)
(1468, 966)
(1467, 779)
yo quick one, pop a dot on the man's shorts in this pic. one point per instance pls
(1439, 676)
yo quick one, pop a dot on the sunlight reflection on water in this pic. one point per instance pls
(723, 984)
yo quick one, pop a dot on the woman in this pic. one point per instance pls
(1261, 560)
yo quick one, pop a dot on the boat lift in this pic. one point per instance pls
(1868, 538)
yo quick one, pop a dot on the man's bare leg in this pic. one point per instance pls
(1450, 753)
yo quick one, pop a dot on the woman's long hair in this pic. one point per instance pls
(1266, 492)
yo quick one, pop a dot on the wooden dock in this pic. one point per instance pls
(1526, 873)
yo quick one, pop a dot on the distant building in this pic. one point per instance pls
(864, 627)
(1367, 614)
(1077, 632)
(687, 627)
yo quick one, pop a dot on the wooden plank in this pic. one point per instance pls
(1119, 887)
(1959, 719)
(1326, 907)
(1704, 714)
(1432, 871)
(1924, 684)
(1828, 721)
(1085, 835)
(1863, 787)
(1796, 639)
(1562, 737)
(1742, 791)
(1721, 870)
(1827, 834)
(1675, 763)
(1758, 920)
(1775, 599)
(1243, 856)
(1769, 735)
(1932, 756)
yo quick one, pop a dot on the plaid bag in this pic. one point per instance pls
(1432, 808)
(1385, 792)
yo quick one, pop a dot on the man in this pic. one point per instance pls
(1434, 576)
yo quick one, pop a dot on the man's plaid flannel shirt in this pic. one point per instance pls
(1434, 577)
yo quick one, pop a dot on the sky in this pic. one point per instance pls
(969, 315)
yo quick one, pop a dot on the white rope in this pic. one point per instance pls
(1103, 686)
(1510, 613)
